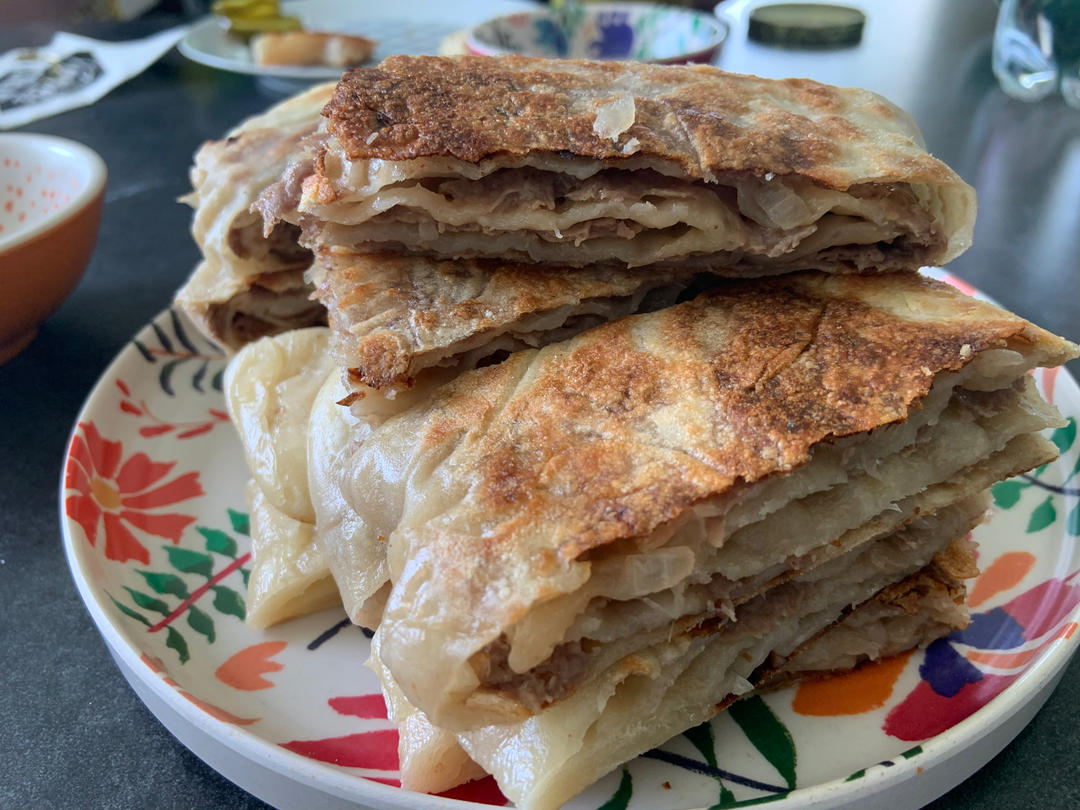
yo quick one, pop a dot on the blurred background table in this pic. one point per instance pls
(75, 735)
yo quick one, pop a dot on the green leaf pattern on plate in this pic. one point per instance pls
(1043, 515)
(175, 641)
(220, 545)
(767, 734)
(190, 562)
(165, 583)
(219, 542)
(182, 348)
(1045, 511)
(241, 523)
(621, 798)
(147, 602)
(228, 601)
(201, 623)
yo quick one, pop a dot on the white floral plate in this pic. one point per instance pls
(418, 27)
(156, 536)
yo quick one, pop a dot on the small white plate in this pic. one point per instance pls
(155, 532)
(417, 27)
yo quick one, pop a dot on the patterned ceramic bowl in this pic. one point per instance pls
(640, 31)
(51, 194)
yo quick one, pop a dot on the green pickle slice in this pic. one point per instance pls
(806, 25)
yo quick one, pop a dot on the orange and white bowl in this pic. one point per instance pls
(51, 196)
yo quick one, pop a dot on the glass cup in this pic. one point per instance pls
(1037, 49)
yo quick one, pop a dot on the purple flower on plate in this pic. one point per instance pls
(616, 36)
(956, 684)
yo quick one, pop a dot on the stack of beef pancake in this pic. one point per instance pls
(629, 400)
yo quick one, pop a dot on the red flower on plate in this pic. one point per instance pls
(118, 493)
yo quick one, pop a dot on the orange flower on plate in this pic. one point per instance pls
(118, 493)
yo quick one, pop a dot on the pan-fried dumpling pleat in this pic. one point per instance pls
(353, 543)
(289, 577)
(270, 387)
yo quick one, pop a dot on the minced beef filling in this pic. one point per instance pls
(542, 685)
(529, 188)
(282, 243)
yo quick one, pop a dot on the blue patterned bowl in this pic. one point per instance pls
(641, 31)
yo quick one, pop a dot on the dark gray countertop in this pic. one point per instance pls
(75, 735)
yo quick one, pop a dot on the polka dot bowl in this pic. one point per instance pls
(51, 195)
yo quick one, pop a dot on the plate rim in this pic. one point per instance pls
(1031, 688)
(477, 10)
(187, 47)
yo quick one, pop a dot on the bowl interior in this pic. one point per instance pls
(640, 31)
(42, 180)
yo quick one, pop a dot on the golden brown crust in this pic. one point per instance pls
(615, 432)
(395, 315)
(944, 576)
(521, 476)
(701, 118)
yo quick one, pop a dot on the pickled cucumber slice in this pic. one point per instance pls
(806, 25)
